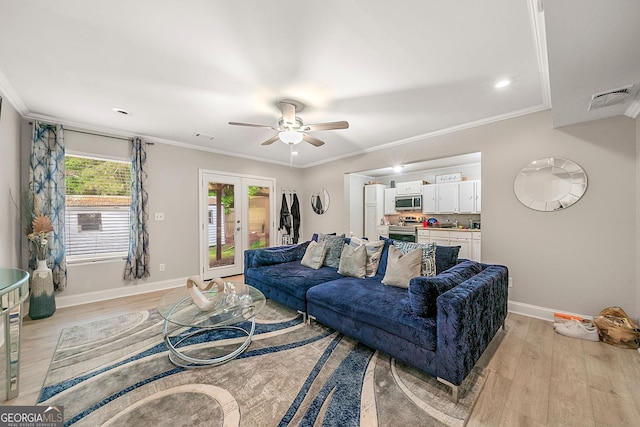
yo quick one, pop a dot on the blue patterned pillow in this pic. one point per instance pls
(279, 254)
(334, 249)
(428, 264)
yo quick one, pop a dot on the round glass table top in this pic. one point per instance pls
(178, 307)
(11, 278)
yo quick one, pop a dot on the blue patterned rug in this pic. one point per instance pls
(117, 373)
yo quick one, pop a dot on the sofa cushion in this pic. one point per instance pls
(384, 307)
(428, 265)
(290, 277)
(424, 291)
(374, 251)
(314, 255)
(446, 257)
(276, 255)
(353, 261)
(334, 249)
(401, 268)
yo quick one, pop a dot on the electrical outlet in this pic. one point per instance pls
(159, 216)
(511, 282)
(162, 267)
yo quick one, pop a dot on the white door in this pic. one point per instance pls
(236, 213)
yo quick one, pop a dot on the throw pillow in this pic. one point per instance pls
(353, 261)
(428, 266)
(314, 256)
(374, 251)
(401, 268)
(334, 249)
(446, 257)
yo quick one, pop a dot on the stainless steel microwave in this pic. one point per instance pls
(408, 203)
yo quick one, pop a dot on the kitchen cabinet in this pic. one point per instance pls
(469, 197)
(373, 209)
(374, 193)
(462, 239)
(390, 201)
(447, 197)
(469, 241)
(429, 199)
(409, 188)
(476, 246)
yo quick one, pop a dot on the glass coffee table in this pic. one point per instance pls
(188, 322)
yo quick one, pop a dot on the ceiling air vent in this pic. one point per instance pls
(610, 97)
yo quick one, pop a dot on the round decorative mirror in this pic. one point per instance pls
(550, 184)
(320, 201)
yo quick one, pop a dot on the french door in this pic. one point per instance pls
(236, 213)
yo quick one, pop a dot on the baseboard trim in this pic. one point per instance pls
(538, 312)
(127, 291)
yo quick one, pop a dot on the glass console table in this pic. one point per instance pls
(14, 290)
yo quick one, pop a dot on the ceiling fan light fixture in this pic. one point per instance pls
(291, 136)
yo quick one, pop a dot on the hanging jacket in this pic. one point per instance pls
(295, 213)
(285, 218)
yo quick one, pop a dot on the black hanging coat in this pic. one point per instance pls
(295, 213)
(285, 218)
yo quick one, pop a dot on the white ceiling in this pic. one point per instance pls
(396, 71)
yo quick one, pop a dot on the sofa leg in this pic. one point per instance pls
(454, 389)
(304, 317)
(310, 317)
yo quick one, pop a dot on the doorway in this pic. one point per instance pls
(236, 213)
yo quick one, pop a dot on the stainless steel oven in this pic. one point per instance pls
(403, 233)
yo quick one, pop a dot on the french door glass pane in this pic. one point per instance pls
(258, 217)
(221, 217)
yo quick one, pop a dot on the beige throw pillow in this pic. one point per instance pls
(314, 255)
(374, 252)
(401, 268)
(353, 261)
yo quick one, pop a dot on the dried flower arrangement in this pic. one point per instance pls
(37, 225)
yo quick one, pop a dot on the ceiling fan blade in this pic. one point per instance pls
(313, 141)
(249, 124)
(327, 126)
(288, 112)
(271, 140)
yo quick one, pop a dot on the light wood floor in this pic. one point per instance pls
(536, 376)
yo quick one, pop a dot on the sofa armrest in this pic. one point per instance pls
(274, 255)
(468, 318)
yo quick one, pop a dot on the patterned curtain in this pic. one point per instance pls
(137, 266)
(46, 180)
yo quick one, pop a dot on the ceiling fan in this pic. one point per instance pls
(291, 129)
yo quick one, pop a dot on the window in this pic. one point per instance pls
(98, 198)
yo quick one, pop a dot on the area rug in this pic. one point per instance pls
(117, 373)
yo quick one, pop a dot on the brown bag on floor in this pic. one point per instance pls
(616, 328)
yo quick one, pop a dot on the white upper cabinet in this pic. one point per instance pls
(409, 188)
(447, 197)
(390, 201)
(429, 199)
(469, 196)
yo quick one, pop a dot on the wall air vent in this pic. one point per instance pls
(610, 97)
(204, 135)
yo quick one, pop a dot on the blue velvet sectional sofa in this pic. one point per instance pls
(440, 325)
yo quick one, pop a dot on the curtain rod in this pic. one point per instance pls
(93, 133)
(106, 136)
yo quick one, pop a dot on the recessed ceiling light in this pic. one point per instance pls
(294, 153)
(120, 111)
(398, 169)
(503, 83)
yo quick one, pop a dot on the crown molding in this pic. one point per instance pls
(633, 110)
(12, 96)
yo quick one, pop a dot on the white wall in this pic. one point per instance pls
(581, 259)
(637, 222)
(10, 228)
